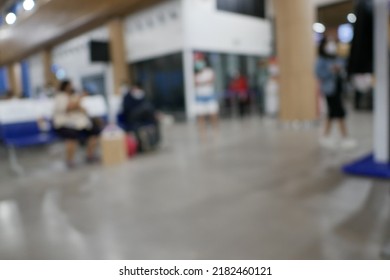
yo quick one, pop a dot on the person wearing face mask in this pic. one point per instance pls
(206, 101)
(330, 71)
(124, 89)
(139, 117)
(72, 123)
(134, 104)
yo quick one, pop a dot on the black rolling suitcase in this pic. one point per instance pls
(148, 137)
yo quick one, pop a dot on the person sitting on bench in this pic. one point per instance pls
(72, 123)
(140, 118)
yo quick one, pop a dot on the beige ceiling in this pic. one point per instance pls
(2, 2)
(57, 21)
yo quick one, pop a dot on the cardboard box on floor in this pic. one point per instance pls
(113, 142)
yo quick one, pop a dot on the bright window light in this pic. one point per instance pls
(319, 27)
(10, 18)
(60, 74)
(28, 5)
(345, 33)
(351, 18)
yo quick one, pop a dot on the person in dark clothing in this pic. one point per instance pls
(361, 58)
(362, 46)
(239, 86)
(329, 70)
(139, 117)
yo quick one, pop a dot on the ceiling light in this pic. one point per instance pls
(10, 18)
(351, 18)
(319, 27)
(28, 5)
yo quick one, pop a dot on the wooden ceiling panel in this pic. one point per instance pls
(2, 2)
(59, 20)
(336, 14)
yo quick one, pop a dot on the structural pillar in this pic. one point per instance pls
(296, 59)
(14, 79)
(118, 54)
(381, 58)
(188, 62)
(49, 76)
(377, 165)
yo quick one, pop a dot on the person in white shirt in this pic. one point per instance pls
(206, 99)
(73, 124)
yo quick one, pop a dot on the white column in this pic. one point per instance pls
(188, 62)
(382, 110)
(188, 65)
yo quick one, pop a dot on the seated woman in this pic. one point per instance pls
(73, 124)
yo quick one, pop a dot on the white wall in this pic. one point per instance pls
(199, 25)
(30, 110)
(219, 31)
(37, 76)
(154, 32)
(73, 57)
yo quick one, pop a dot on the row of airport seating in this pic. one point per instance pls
(27, 122)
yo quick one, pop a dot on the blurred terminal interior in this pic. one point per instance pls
(44, 41)
(262, 189)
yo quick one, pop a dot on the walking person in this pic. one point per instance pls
(330, 70)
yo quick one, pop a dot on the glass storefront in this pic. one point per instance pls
(227, 69)
(163, 80)
(3, 81)
(254, 8)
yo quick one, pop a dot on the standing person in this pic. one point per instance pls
(206, 99)
(271, 96)
(240, 88)
(72, 123)
(262, 81)
(329, 70)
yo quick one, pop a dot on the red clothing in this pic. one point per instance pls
(239, 86)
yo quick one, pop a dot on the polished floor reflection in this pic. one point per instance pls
(257, 190)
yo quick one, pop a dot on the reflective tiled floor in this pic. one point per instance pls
(257, 190)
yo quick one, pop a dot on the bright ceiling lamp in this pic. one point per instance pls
(10, 18)
(319, 27)
(28, 5)
(351, 18)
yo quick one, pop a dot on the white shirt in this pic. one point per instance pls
(69, 119)
(204, 81)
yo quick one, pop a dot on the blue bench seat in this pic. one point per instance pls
(33, 140)
(24, 134)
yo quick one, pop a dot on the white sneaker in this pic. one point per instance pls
(327, 142)
(348, 144)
